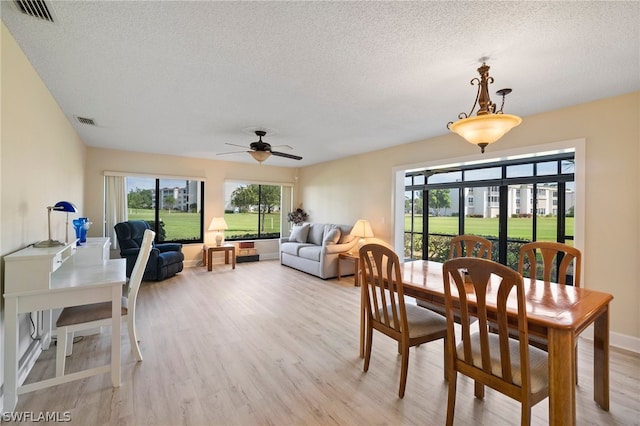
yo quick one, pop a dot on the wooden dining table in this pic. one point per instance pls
(556, 312)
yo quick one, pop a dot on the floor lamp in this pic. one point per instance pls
(60, 206)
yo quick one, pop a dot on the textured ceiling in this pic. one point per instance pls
(330, 79)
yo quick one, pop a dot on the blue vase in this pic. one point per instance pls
(81, 226)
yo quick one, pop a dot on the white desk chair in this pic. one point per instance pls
(83, 317)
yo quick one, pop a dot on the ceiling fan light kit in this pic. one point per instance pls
(260, 150)
(260, 156)
(488, 125)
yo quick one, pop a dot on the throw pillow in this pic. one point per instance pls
(331, 236)
(316, 233)
(299, 233)
(345, 235)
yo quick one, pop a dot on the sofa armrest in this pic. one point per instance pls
(339, 248)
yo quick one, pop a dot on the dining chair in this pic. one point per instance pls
(83, 317)
(387, 312)
(463, 246)
(509, 366)
(470, 246)
(557, 262)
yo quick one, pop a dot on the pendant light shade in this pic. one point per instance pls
(483, 130)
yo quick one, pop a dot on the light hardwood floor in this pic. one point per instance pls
(267, 345)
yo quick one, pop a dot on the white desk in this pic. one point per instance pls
(95, 249)
(69, 285)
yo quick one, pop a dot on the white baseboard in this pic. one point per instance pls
(617, 340)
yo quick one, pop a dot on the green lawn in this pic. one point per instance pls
(186, 226)
(519, 228)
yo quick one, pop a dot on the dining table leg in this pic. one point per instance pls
(601, 360)
(562, 391)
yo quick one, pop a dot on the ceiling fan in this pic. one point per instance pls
(260, 150)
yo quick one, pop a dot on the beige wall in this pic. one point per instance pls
(361, 187)
(41, 159)
(215, 173)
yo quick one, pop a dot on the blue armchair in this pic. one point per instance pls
(165, 260)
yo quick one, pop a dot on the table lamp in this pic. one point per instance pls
(218, 225)
(60, 206)
(362, 229)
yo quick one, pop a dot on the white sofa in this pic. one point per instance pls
(314, 247)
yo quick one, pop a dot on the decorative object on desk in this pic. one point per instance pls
(81, 225)
(218, 225)
(362, 229)
(298, 216)
(488, 125)
(61, 206)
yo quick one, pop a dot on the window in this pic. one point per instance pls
(513, 202)
(253, 211)
(172, 207)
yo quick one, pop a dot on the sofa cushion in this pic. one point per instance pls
(299, 233)
(311, 252)
(316, 233)
(293, 248)
(331, 235)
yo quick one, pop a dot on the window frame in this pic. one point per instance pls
(285, 198)
(503, 184)
(157, 203)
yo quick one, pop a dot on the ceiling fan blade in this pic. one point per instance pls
(285, 155)
(232, 152)
(234, 144)
(287, 147)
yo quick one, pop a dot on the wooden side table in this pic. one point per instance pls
(355, 259)
(207, 254)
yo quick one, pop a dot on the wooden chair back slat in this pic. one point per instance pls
(552, 254)
(470, 246)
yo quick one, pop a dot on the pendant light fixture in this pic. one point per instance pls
(488, 125)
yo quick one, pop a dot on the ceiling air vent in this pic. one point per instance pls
(36, 8)
(88, 121)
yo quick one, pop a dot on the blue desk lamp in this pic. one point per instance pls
(61, 206)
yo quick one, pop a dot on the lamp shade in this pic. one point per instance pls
(65, 206)
(362, 229)
(218, 224)
(485, 129)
